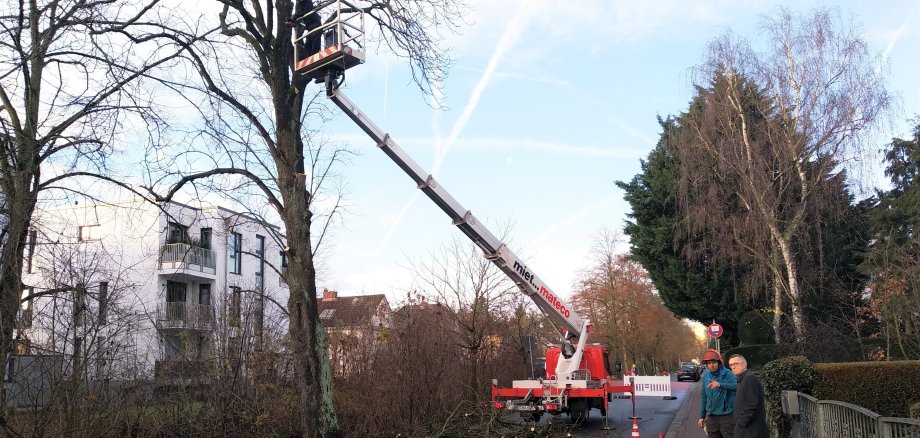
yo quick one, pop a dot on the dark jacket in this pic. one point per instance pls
(750, 415)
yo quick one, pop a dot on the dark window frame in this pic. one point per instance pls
(202, 287)
(176, 233)
(235, 253)
(173, 290)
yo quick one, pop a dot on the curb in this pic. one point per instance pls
(681, 416)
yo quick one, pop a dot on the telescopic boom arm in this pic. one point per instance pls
(494, 249)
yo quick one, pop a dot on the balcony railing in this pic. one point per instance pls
(180, 315)
(185, 256)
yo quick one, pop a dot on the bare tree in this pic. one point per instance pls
(475, 294)
(259, 120)
(777, 124)
(67, 76)
(617, 295)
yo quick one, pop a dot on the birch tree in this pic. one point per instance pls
(821, 94)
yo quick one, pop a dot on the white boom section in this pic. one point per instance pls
(494, 250)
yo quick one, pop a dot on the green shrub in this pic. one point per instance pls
(887, 388)
(755, 328)
(794, 373)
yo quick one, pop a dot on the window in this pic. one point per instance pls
(103, 302)
(32, 237)
(283, 259)
(235, 253)
(204, 294)
(260, 255)
(206, 238)
(176, 233)
(90, 232)
(326, 314)
(175, 292)
(235, 310)
(79, 303)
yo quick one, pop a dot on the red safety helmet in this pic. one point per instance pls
(712, 355)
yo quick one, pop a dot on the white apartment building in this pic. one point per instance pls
(131, 290)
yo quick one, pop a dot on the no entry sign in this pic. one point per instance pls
(715, 330)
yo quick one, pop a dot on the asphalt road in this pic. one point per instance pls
(655, 415)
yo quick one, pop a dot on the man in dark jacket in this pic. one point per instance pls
(750, 415)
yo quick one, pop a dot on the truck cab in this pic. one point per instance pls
(595, 363)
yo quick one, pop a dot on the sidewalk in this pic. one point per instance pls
(684, 424)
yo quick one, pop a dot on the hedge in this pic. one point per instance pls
(794, 373)
(887, 388)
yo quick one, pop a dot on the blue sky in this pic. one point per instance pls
(548, 106)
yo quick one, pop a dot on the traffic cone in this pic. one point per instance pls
(635, 431)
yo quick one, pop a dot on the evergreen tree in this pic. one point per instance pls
(892, 259)
(704, 290)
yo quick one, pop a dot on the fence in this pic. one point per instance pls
(650, 385)
(813, 418)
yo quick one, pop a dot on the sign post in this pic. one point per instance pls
(715, 331)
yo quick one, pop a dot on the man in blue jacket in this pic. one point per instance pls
(717, 397)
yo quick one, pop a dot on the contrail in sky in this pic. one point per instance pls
(508, 39)
(895, 38)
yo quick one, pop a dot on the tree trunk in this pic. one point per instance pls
(21, 204)
(792, 288)
(308, 339)
(777, 299)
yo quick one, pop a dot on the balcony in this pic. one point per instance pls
(185, 316)
(183, 256)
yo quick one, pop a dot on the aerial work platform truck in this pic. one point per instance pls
(578, 375)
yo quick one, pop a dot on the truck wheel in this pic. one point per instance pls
(578, 410)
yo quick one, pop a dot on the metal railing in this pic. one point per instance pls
(179, 315)
(185, 256)
(813, 418)
(896, 427)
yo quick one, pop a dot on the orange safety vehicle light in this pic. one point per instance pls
(590, 328)
(552, 407)
(498, 405)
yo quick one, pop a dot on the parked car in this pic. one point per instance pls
(688, 372)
